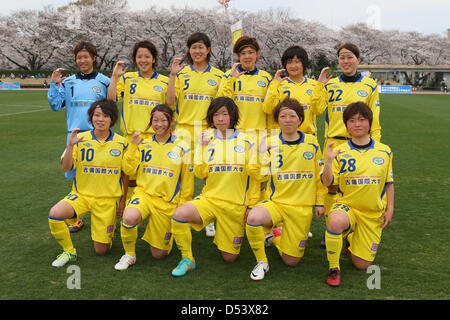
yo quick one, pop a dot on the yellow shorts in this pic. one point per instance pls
(103, 214)
(158, 232)
(364, 233)
(296, 223)
(230, 224)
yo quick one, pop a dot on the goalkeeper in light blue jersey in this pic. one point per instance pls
(77, 92)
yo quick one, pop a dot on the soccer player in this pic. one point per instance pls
(223, 160)
(162, 164)
(140, 92)
(247, 86)
(76, 93)
(97, 187)
(332, 95)
(361, 168)
(294, 161)
(295, 86)
(191, 89)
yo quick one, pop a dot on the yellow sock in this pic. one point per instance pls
(129, 235)
(329, 200)
(255, 236)
(333, 242)
(60, 232)
(183, 238)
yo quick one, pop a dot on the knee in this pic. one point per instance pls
(229, 258)
(101, 249)
(253, 218)
(181, 213)
(290, 261)
(336, 223)
(361, 264)
(130, 219)
(158, 254)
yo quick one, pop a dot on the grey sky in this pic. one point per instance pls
(405, 15)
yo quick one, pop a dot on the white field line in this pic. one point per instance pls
(14, 113)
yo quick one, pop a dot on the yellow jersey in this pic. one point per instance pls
(362, 175)
(140, 95)
(225, 164)
(294, 169)
(194, 92)
(301, 92)
(334, 96)
(248, 92)
(162, 169)
(98, 165)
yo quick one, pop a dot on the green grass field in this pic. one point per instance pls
(414, 255)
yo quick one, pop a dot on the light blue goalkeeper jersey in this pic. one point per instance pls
(76, 94)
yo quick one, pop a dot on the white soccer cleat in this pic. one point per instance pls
(268, 239)
(259, 271)
(210, 230)
(309, 234)
(64, 258)
(125, 262)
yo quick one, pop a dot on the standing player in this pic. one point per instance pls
(223, 160)
(97, 187)
(295, 86)
(76, 93)
(140, 91)
(294, 161)
(332, 95)
(247, 86)
(164, 181)
(191, 89)
(361, 168)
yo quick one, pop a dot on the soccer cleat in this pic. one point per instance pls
(259, 271)
(334, 277)
(77, 226)
(210, 230)
(63, 258)
(309, 234)
(276, 232)
(125, 262)
(183, 267)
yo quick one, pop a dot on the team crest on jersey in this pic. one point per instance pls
(239, 149)
(212, 82)
(115, 152)
(362, 93)
(158, 88)
(309, 92)
(262, 84)
(308, 155)
(374, 247)
(96, 89)
(378, 161)
(173, 155)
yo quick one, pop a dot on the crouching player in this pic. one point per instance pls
(223, 161)
(294, 161)
(164, 180)
(362, 170)
(97, 188)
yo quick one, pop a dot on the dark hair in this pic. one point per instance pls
(218, 103)
(350, 47)
(292, 52)
(108, 107)
(194, 38)
(245, 41)
(147, 45)
(292, 104)
(357, 108)
(89, 47)
(165, 109)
